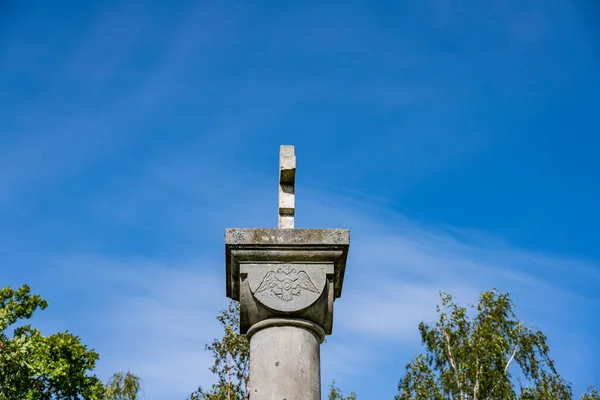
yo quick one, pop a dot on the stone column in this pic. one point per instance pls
(285, 359)
(286, 281)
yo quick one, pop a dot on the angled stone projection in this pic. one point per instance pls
(286, 281)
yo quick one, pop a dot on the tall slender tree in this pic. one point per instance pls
(123, 386)
(489, 355)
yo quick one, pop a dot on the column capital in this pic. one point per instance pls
(286, 273)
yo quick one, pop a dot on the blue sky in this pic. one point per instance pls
(457, 140)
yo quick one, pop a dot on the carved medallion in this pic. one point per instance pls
(286, 283)
(287, 287)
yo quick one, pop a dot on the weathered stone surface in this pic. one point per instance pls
(285, 363)
(260, 236)
(252, 253)
(283, 259)
(287, 165)
(287, 177)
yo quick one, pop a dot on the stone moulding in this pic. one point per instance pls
(290, 273)
(299, 323)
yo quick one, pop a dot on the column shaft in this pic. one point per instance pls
(284, 364)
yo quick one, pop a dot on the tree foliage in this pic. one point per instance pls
(336, 394)
(591, 394)
(231, 356)
(123, 386)
(38, 367)
(491, 355)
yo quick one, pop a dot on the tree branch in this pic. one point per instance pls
(476, 387)
(454, 366)
(511, 358)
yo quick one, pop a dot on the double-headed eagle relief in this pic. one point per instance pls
(286, 282)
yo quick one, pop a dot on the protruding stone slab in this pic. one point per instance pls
(303, 237)
(284, 245)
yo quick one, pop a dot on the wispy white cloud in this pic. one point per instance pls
(393, 310)
(153, 319)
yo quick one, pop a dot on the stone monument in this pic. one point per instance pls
(286, 281)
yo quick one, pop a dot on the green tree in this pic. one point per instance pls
(123, 386)
(336, 394)
(491, 355)
(38, 367)
(591, 394)
(231, 356)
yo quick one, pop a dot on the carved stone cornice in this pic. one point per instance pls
(286, 273)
